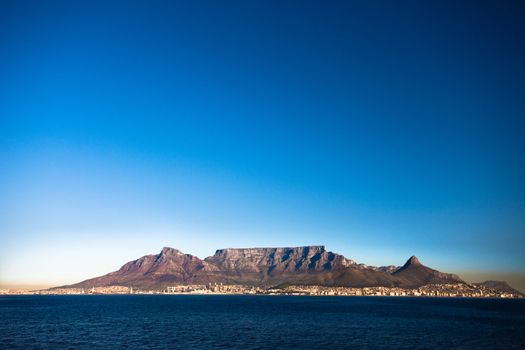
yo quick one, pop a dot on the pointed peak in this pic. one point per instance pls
(412, 261)
(169, 251)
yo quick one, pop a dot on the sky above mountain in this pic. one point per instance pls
(380, 129)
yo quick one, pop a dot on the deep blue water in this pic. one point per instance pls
(259, 322)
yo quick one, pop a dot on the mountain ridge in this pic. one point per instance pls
(266, 266)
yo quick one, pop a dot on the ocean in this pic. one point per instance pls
(259, 322)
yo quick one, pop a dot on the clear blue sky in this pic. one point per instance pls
(381, 129)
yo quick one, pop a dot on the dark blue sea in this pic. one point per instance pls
(259, 322)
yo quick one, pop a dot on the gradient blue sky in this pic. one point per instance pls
(380, 129)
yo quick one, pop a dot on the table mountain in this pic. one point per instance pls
(308, 265)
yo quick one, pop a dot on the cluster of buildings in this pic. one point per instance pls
(214, 289)
(71, 291)
(430, 290)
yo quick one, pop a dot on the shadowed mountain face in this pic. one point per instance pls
(310, 265)
(414, 274)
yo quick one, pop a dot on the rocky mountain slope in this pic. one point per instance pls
(309, 265)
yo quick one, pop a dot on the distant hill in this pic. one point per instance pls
(309, 265)
(500, 286)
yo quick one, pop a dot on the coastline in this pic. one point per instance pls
(431, 291)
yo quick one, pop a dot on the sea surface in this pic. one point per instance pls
(259, 322)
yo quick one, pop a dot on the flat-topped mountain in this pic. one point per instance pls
(308, 265)
(278, 260)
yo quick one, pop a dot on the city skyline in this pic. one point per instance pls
(380, 131)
